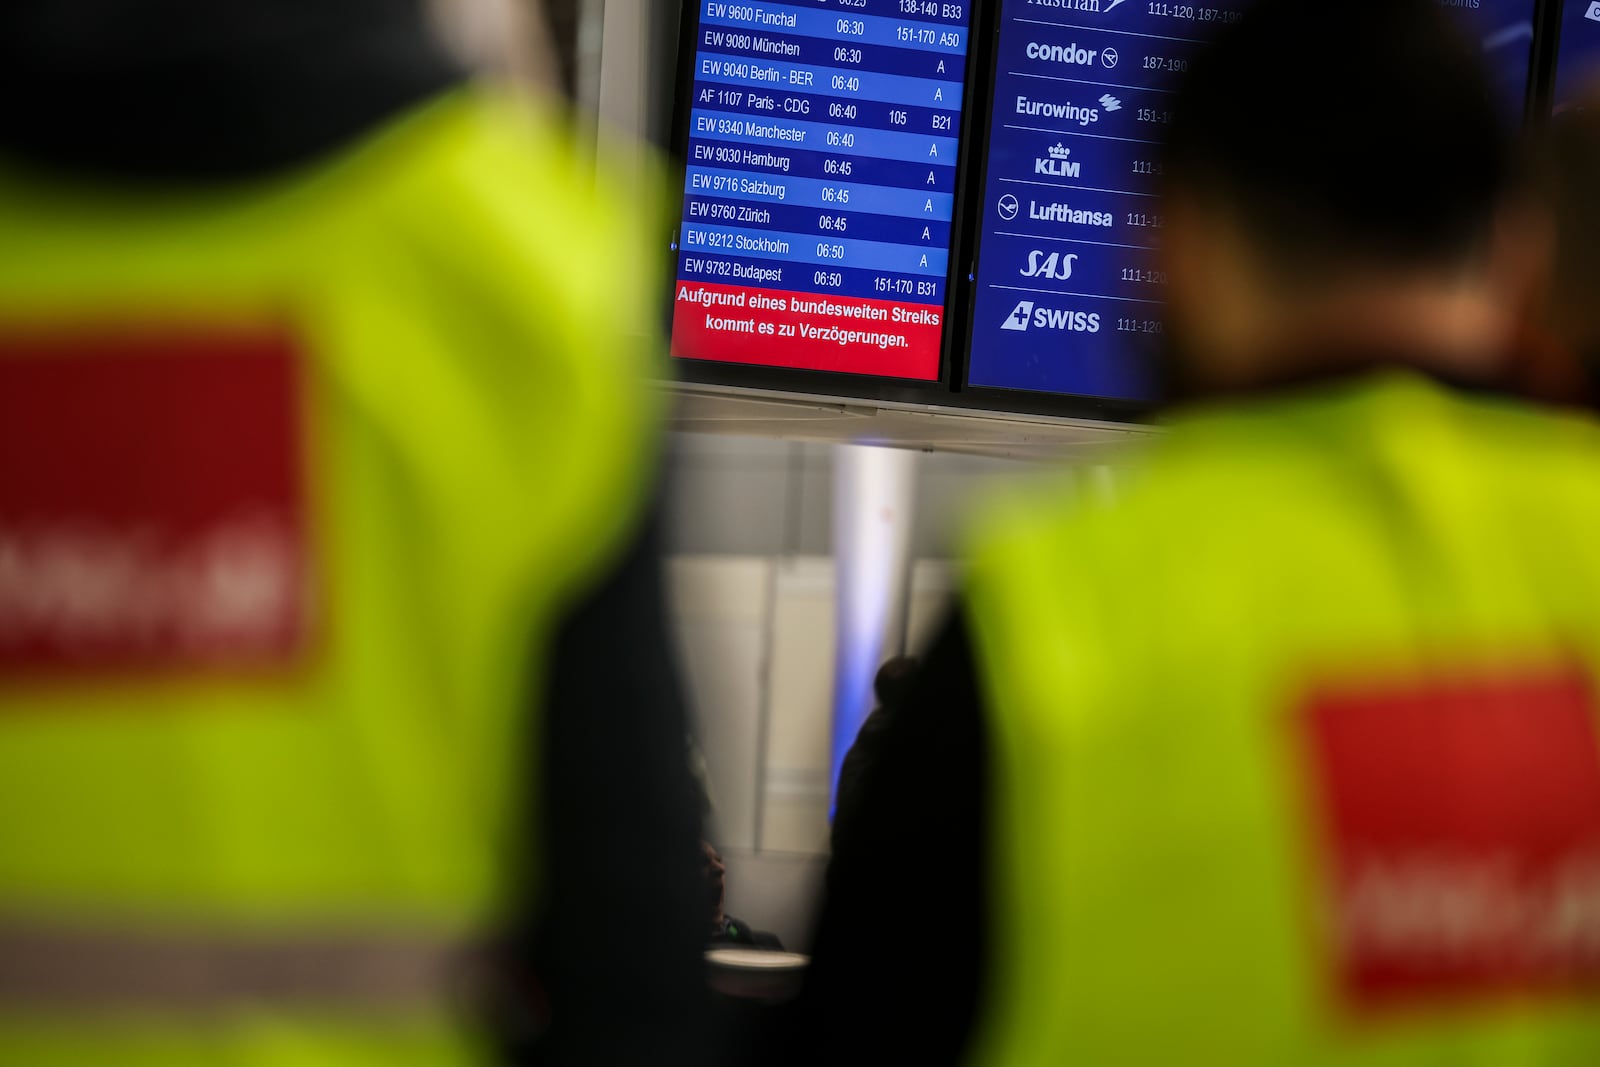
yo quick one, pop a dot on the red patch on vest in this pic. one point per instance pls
(1463, 819)
(152, 502)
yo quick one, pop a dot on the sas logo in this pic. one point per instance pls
(1056, 165)
(1027, 314)
(1055, 266)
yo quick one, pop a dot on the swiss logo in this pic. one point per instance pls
(1461, 818)
(152, 502)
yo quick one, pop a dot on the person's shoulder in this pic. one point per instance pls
(485, 176)
(506, 175)
(1561, 438)
(523, 272)
(1543, 462)
(1285, 472)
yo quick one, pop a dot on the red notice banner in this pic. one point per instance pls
(773, 328)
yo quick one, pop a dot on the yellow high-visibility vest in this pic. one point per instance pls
(423, 363)
(1294, 743)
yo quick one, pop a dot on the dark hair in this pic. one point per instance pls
(890, 686)
(1359, 134)
(892, 679)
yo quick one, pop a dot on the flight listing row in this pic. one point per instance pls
(932, 27)
(838, 111)
(898, 58)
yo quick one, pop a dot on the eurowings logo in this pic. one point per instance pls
(1019, 318)
(1111, 103)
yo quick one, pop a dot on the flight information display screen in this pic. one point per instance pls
(1578, 59)
(821, 184)
(1505, 27)
(1069, 290)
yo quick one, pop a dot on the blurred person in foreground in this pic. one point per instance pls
(1286, 754)
(1564, 327)
(325, 457)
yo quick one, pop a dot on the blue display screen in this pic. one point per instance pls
(821, 184)
(1069, 292)
(1505, 27)
(1578, 60)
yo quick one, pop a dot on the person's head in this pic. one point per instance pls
(889, 686)
(1336, 183)
(892, 678)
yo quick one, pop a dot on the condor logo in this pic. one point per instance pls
(1027, 314)
(1069, 54)
(1056, 266)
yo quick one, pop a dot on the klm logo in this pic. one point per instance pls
(1056, 164)
(1055, 266)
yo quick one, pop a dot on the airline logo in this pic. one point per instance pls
(1057, 164)
(1066, 54)
(1095, 7)
(1056, 266)
(1593, 12)
(1056, 211)
(1061, 112)
(1019, 318)
(1028, 314)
